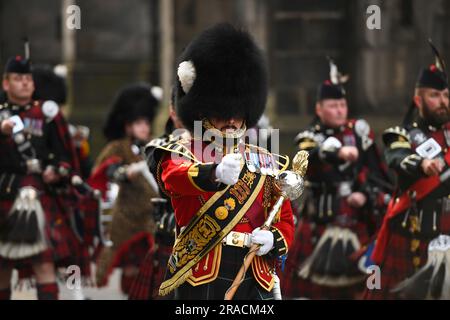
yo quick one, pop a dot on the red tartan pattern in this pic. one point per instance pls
(397, 266)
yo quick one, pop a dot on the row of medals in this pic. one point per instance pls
(262, 163)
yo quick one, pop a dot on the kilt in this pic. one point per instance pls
(231, 262)
(61, 238)
(397, 266)
(141, 287)
(133, 251)
(293, 286)
(90, 208)
(130, 253)
(152, 270)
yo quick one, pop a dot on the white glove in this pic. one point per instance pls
(264, 238)
(229, 169)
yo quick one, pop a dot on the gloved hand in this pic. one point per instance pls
(229, 168)
(264, 238)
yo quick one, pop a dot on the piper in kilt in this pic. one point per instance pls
(413, 245)
(341, 203)
(220, 191)
(37, 158)
(79, 203)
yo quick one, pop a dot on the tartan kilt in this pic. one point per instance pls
(293, 286)
(152, 271)
(130, 253)
(397, 266)
(133, 251)
(61, 238)
(90, 207)
(141, 287)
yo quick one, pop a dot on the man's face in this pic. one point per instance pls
(18, 86)
(139, 129)
(433, 105)
(229, 125)
(332, 112)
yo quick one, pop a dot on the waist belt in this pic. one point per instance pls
(237, 239)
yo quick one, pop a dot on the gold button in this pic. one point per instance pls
(221, 213)
(415, 245)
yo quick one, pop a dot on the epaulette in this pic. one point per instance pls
(403, 139)
(304, 135)
(306, 140)
(397, 131)
(179, 147)
(157, 142)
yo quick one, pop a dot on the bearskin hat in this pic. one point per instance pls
(48, 85)
(221, 74)
(134, 101)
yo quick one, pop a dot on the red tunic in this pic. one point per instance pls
(189, 185)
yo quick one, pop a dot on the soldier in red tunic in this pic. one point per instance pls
(221, 188)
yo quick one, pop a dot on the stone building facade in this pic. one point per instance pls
(138, 40)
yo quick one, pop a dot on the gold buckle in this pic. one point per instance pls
(235, 239)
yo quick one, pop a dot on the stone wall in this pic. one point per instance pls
(120, 43)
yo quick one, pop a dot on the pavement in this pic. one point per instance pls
(110, 292)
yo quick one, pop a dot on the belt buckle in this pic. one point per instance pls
(236, 239)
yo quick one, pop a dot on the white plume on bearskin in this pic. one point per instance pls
(432, 281)
(157, 92)
(330, 263)
(23, 234)
(186, 75)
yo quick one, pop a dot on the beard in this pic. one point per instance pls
(437, 117)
